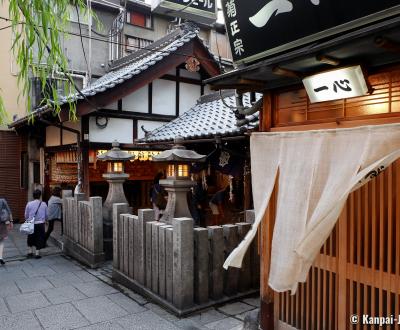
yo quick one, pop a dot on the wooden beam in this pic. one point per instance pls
(328, 60)
(207, 62)
(387, 44)
(286, 72)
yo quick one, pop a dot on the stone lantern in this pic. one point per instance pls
(178, 182)
(115, 177)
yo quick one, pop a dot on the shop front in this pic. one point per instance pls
(325, 170)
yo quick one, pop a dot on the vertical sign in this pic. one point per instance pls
(203, 11)
(259, 28)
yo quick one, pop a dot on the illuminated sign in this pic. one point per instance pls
(260, 28)
(202, 11)
(336, 84)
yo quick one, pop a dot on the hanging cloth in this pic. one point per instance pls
(316, 172)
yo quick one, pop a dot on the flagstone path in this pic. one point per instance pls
(56, 292)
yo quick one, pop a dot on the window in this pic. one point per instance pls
(134, 43)
(139, 19)
(73, 17)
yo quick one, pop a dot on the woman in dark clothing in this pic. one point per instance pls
(53, 210)
(6, 223)
(158, 197)
(198, 203)
(38, 210)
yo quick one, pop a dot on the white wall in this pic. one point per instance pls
(164, 96)
(148, 125)
(112, 106)
(52, 136)
(188, 95)
(70, 137)
(137, 101)
(207, 90)
(189, 74)
(117, 129)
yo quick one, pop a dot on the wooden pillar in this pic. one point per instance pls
(85, 155)
(267, 317)
(265, 236)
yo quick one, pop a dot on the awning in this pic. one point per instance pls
(317, 172)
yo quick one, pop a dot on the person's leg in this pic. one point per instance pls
(156, 212)
(1, 251)
(50, 229)
(62, 226)
(40, 230)
(30, 239)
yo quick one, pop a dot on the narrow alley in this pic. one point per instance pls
(56, 292)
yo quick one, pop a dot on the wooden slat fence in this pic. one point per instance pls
(358, 269)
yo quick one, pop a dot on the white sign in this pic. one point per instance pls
(336, 84)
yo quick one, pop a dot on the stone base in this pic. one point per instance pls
(81, 254)
(135, 286)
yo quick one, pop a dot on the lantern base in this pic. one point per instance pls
(177, 206)
(115, 195)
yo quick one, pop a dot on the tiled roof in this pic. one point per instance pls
(132, 65)
(207, 118)
(141, 60)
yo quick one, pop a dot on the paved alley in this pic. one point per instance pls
(56, 292)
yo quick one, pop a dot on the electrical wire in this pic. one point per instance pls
(175, 53)
(5, 27)
(80, 34)
(180, 10)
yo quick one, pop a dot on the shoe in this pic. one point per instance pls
(29, 255)
(38, 257)
(2, 262)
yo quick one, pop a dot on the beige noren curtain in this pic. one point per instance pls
(317, 171)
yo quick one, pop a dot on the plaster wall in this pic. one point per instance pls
(116, 129)
(164, 97)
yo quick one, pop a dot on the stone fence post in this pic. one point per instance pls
(183, 262)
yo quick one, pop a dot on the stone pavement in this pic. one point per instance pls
(56, 292)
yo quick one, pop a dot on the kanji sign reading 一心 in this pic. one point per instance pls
(266, 27)
(336, 84)
(203, 11)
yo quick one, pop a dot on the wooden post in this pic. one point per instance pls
(267, 317)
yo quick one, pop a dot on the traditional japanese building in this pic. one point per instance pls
(212, 128)
(310, 96)
(141, 92)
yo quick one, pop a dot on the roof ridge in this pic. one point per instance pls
(179, 32)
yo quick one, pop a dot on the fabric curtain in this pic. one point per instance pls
(316, 172)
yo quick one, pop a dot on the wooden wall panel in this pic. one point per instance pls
(358, 268)
(11, 146)
(293, 107)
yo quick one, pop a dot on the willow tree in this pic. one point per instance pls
(38, 26)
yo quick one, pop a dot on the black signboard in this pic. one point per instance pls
(203, 11)
(266, 27)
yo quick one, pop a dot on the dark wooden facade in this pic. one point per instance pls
(358, 268)
(14, 172)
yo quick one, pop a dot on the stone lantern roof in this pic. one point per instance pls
(179, 154)
(116, 154)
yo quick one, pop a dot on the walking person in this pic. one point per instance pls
(6, 224)
(219, 206)
(158, 197)
(36, 209)
(54, 211)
